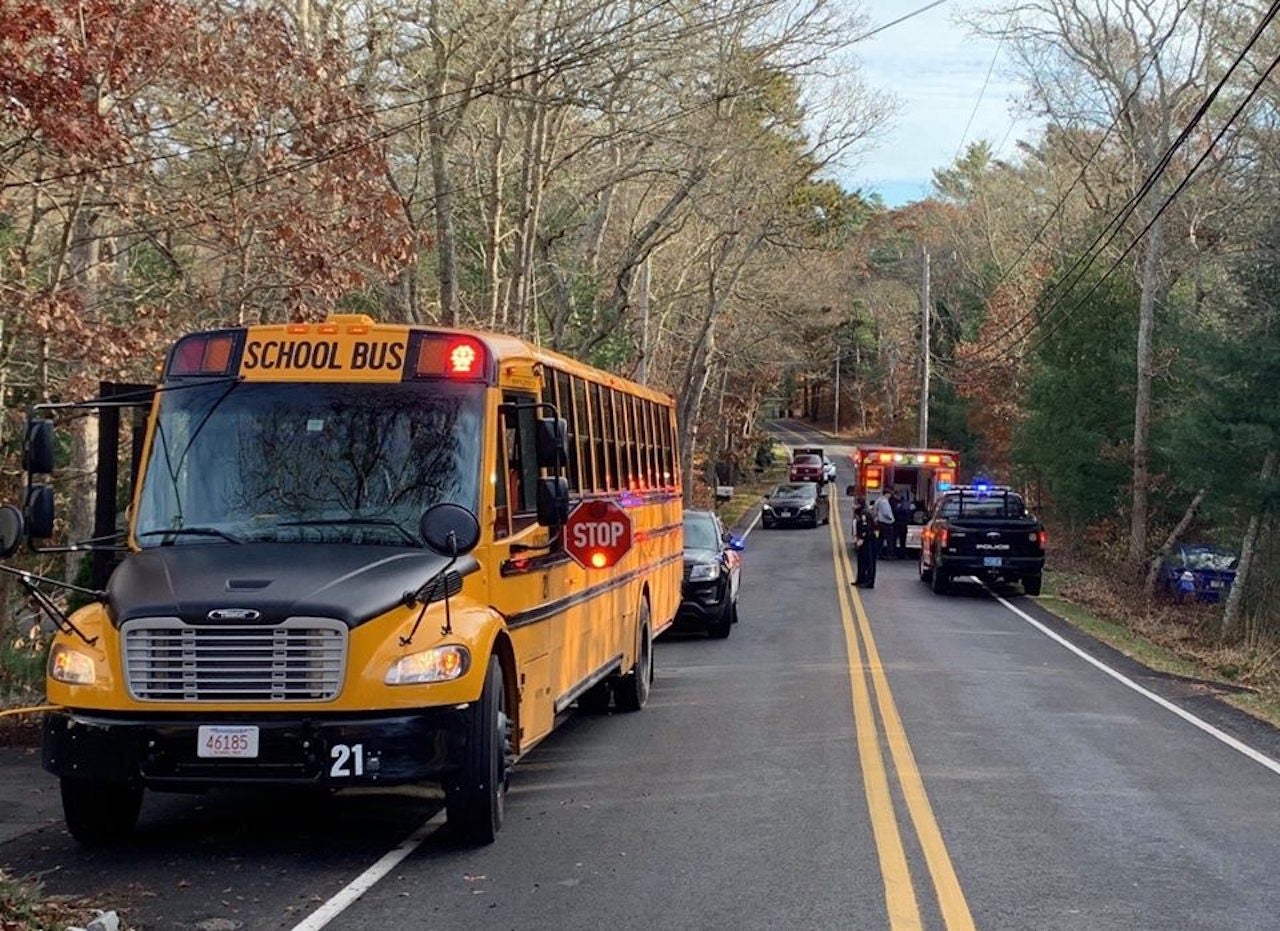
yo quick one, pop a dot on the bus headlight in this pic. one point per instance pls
(69, 665)
(705, 572)
(439, 664)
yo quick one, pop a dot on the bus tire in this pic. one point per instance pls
(99, 812)
(632, 690)
(476, 797)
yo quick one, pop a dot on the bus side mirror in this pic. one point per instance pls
(553, 442)
(40, 512)
(37, 446)
(12, 530)
(553, 502)
(449, 529)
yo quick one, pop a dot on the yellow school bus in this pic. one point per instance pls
(344, 565)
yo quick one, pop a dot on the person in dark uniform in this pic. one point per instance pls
(901, 521)
(864, 540)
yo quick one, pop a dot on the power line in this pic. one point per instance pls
(983, 91)
(1084, 168)
(1086, 260)
(900, 19)
(1041, 339)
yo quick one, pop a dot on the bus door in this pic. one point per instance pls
(527, 574)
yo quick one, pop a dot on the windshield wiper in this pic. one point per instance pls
(191, 532)
(354, 522)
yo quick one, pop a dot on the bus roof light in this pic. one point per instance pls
(203, 354)
(462, 359)
(450, 357)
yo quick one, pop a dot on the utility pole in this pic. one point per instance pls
(924, 348)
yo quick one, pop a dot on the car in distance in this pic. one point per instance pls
(712, 575)
(984, 531)
(828, 470)
(801, 504)
(806, 467)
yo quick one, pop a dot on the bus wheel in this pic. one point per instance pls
(632, 690)
(476, 797)
(99, 812)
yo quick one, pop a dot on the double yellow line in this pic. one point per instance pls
(899, 890)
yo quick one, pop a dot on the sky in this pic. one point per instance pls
(935, 68)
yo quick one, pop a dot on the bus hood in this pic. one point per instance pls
(265, 583)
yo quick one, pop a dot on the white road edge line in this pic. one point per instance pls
(370, 877)
(1233, 743)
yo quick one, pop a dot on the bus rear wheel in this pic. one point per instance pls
(98, 812)
(475, 800)
(632, 690)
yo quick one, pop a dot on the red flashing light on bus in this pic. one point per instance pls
(450, 356)
(462, 358)
(203, 355)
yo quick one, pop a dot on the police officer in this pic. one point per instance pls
(864, 540)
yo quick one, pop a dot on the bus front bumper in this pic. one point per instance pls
(333, 751)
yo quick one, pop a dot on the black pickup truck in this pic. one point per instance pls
(985, 531)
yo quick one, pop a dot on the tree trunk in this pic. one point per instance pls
(1235, 600)
(1142, 404)
(641, 373)
(446, 246)
(1153, 574)
(85, 272)
(690, 407)
(493, 220)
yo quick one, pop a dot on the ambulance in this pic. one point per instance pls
(921, 473)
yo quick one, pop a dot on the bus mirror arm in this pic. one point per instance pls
(537, 547)
(428, 593)
(431, 591)
(46, 604)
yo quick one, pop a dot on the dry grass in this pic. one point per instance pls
(23, 907)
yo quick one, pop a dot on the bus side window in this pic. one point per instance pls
(520, 471)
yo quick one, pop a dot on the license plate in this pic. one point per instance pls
(786, 513)
(1215, 583)
(226, 741)
(993, 561)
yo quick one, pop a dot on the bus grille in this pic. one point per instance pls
(301, 659)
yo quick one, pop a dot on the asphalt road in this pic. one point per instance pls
(846, 759)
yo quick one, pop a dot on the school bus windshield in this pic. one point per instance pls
(324, 463)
